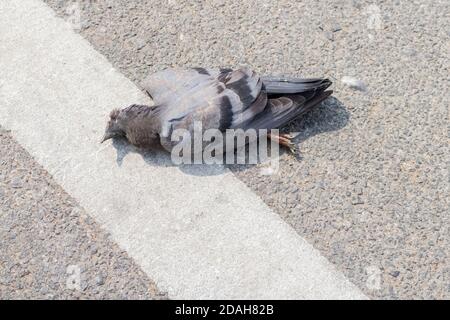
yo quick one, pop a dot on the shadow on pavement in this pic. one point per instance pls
(331, 115)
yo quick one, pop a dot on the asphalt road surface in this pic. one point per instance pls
(371, 190)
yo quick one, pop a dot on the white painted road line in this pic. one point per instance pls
(200, 234)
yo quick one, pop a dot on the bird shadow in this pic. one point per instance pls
(330, 115)
(160, 157)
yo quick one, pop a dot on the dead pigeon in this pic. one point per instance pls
(220, 98)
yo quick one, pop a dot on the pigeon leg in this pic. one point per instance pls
(287, 136)
(284, 140)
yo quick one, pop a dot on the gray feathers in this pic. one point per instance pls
(219, 98)
(278, 85)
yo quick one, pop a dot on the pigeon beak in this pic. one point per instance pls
(107, 136)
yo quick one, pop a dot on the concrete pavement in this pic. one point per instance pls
(198, 233)
(371, 189)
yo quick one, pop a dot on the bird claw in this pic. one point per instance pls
(287, 136)
(285, 140)
(293, 148)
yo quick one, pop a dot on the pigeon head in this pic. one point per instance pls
(113, 128)
(139, 124)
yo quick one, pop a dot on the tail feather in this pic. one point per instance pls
(281, 111)
(279, 86)
(302, 109)
(289, 99)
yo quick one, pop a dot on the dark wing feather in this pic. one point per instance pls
(288, 99)
(280, 111)
(276, 85)
(219, 98)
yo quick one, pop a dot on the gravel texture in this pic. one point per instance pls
(370, 190)
(46, 239)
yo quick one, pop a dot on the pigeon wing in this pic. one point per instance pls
(219, 99)
(167, 84)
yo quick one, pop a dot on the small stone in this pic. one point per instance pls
(410, 52)
(395, 274)
(2, 193)
(321, 185)
(335, 27)
(43, 290)
(356, 4)
(354, 83)
(93, 250)
(140, 44)
(329, 35)
(100, 280)
(378, 130)
(130, 35)
(84, 285)
(357, 200)
(16, 183)
(162, 296)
